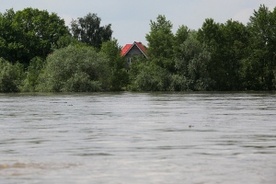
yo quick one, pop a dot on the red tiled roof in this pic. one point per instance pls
(125, 49)
(128, 47)
(141, 47)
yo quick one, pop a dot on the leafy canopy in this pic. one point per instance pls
(75, 69)
(29, 33)
(89, 30)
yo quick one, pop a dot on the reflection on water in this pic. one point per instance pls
(138, 138)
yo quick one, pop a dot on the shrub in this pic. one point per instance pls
(75, 69)
(11, 76)
(149, 77)
(31, 81)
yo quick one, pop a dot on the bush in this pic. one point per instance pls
(119, 74)
(10, 76)
(149, 77)
(178, 83)
(75, 69)
(31, 81)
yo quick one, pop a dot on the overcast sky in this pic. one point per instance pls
(130, 18)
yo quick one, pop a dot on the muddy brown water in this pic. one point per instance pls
(196, 138)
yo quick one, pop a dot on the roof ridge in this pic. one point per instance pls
(141, 47)
(129, 46)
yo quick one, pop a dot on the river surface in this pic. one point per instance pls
(138, 138)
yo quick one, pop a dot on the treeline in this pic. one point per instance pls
(39, 53)
(228, 56)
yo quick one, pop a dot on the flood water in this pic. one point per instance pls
(138, 138)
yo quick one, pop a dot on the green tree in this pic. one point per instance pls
(228, 45)
(180, 37)
(89, 30)
(148, 77)
(11, 76)
(191, 66)
(75, 69)
(211, 36)
(260, 66)
(29, 33)
(7, 36)
(160, 42)
(119, 75)
(31, 81)
(233, 51)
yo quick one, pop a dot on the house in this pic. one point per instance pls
(131, 50)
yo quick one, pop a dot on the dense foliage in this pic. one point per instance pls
(75, 69)
(88, 30)
(229, 56)
(29, 33)
(39, 53)
(10, 76)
